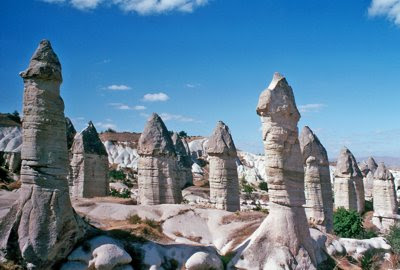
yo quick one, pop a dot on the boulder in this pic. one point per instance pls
(317, 180)
(204, 261)
(109, 256)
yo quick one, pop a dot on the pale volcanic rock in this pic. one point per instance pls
(283, 240)
(89, 165)
(317, 180)
(384, 199)
(184, 161)
(41, 226)
(348, 187)
(158, 181)
(368, 169)
(223, 178)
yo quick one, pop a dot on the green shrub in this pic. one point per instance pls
(118, 175)
(182, 134)
(347, 223)
(126, 193)
(134, 219)
(263, 186)
(393, 237)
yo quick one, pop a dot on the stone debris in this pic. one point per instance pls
(317, 180)
(223, 178)
(184, 161)
(283, 240)
(348, 187)
(384, 199)
(89, 165)
(41, 227)
(158, 180)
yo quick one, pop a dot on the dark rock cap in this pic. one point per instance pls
(180, 149)
(278, 100)
(44, 64)
(372, 166)
(91, 141)
(71, 132)
(347, 164)
(155, 139)
(311, 146)
(221, 142)
(382, 173)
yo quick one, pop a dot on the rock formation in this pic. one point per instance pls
(89, 165)
(184, 162)
(384, 199)
(368, 169)
(317, 180)
(71, 132)
(224, 183)
(158, 181)
(41, 227)
(348, 187)
(283, 240)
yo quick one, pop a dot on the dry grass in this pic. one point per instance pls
(10, 266)
(244, 217)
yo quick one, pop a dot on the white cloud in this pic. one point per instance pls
(156, 97)
(143, 7)
(121, 106)
(311, 108)
(176, 117)
(105, 125)
(119, 87)
(388, 8)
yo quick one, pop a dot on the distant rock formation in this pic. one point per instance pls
(368, 169)
(184, 161)
(384, 199)
(158, 181)
(41, 227)
(89, 165)
(283, 240)
(348, 187)
(224, 183)
(71, 132)
(317, 179)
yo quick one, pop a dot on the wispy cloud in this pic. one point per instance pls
(105, 125)
(118, 87)
(388, 8)
(311, 107)
(192, 85)
(122, 106)
(173, 117)
(156, 97)
(143, 7)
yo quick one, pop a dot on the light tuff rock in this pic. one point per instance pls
(223, 178)
(41, 227)
(283, 240)
(317, 180)
(184, 161)
(89, 165)
(384, 199)
(157, 166)
(368, 169)
(204, 261)
(348, 187)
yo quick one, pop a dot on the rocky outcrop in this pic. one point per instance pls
(317, 180)
(157, 166)
(89, 165)
(41, 227)
(71, 132)
(283, 240)
(224, 183)
(184, 161)
(384, 199)
(368, 169)
(348, 187)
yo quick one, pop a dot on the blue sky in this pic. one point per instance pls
(196, 62)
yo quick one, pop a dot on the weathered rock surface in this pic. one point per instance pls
(349, 187)
(204, 261)
(41, 227)
(283, 240)
(368, 169)
(89, 165)
(224, 183)
(158, 181)
(384, 199)
(71, 132)
(184, 161)
(317, 180)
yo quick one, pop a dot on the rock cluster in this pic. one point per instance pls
(158, 181)
(348, 187)
(223, 178)
(384, 199)
(283, 240)
(317, 180)
(184, 161)
(89, 165)
(41, 227)
(368, 169)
